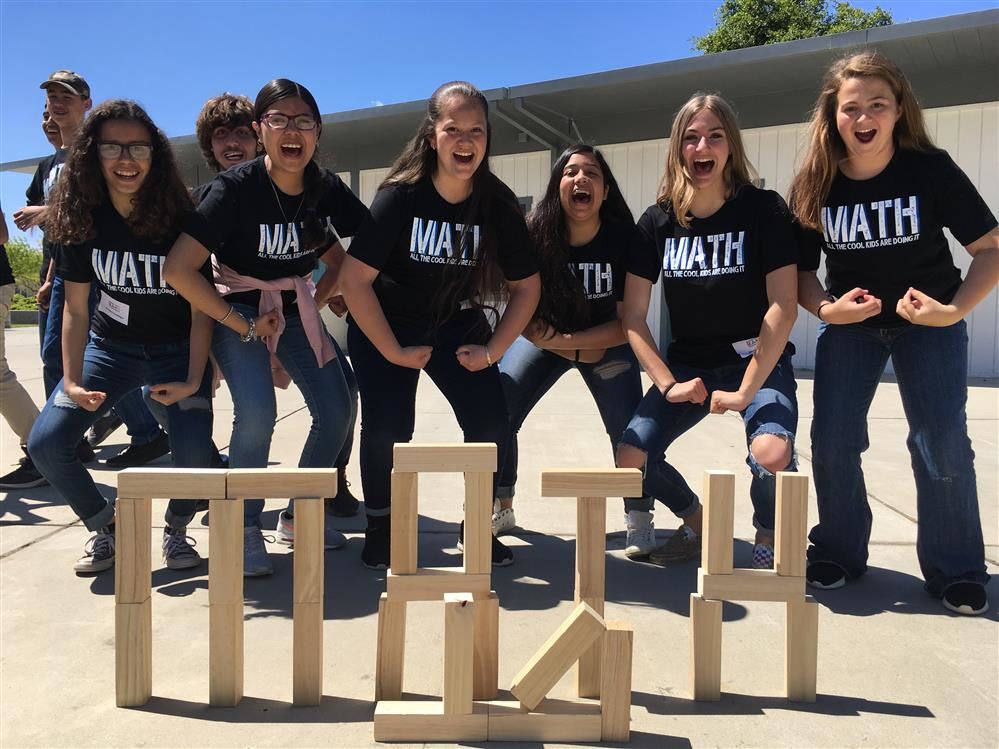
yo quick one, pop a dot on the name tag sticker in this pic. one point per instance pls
(113, 308)
(746, 348)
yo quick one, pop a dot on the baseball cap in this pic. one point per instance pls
(69, 80)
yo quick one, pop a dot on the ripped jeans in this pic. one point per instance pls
(657, 423)
(527, 373)
(118, 368)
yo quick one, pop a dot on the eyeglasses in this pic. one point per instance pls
(279, 121)
(240, 133)
(136, 151)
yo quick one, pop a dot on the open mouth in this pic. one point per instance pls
(233, 157)
(703, 167)
(291, 150)
(463, 158)
(581, 197)
(125, 175)
(865, 136)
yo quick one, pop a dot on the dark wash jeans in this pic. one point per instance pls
(528, 372)
(118, 368)
(388, 396)
(931, 367)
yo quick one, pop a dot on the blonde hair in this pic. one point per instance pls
(826, 149)
(676, 186)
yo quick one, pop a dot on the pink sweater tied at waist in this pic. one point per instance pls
(228, 281)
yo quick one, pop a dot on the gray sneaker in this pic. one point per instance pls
(256, 560)
(683, 546)
(98, 554)
(332, 538)
(178, 549)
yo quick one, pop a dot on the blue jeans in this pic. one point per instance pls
(657, 423)
(931, 367)
(141, 425)
(528, 372)
(118, 368)
(247, 370)
(388, 396)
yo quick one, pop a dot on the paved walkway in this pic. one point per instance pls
(894, 669)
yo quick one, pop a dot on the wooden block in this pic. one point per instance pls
(459, 634)
(705, 648)
(471, 457)
(186, 483)
(133, 543)
(792, 524)
(750, 585)
(485, 676)
(281, 482)
(719, 520)
(133, 653)
(591, 535)
(310, 520)
(225, 552)
(431, 583)
(225, 653)
(425, 721)
(801, 644)
(478, 523)
(562, 721)
(390, 651)
(580, 630)
(615, 684)
(597, 482)
(307, 650)
(404, 528)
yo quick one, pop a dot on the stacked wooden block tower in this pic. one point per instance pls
(468, 710)
(718, 581)
(225, 491)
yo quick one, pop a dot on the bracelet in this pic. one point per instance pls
(818, 312)
(226, 315)
(666, 391)
(251, 334)
(489, 359)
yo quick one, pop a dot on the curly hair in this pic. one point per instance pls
(157, 206)
(225, 110)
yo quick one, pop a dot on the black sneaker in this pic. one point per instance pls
(377, 543)
(103, 428)
(85, 452)
(25, 476)
(969, 599)
(218, 459)
(502, 556)
(139, 455)
(825, 575)
(344, 504)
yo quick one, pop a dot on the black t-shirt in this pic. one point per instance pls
(885, 234)
(418, 241)
(136, 305)
(715, 273)
(38, 192)
(198, 193)
(254, 228)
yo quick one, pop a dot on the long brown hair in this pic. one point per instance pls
(826, 149)
(676, 188)
(157, 206)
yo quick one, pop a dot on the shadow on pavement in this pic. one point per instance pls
(745, 704)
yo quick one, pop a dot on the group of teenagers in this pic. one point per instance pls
(444, 275)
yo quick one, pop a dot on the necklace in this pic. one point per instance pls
(281, 207)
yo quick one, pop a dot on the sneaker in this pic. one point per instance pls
(825, 575)
(103, 428)
(640, 540)
(98, 554)
(502, 555)
(25, 476)
(256, 560)
(969, 599)
(332, 538)
(344, 504)
(139, 455)
(377, 543)
(84, 452)
(504, 521)
(218, 459)
(683, 546)
(763, 557)
(178, 549)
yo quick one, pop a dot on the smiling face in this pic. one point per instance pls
(459, 138)
(66, 108)
(124, 175)
(289, 149)
(705, 150)
(233, 145)
(51, 130)
(582, 189)
(866, 113)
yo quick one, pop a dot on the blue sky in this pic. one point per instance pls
(172, 56)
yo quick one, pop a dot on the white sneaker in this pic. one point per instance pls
(98, 554)
(503, 521)
(641, 538)
(332, 538)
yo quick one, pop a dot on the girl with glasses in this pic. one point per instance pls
(267, 222)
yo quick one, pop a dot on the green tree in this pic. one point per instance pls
(25, 261)
(752, 23)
